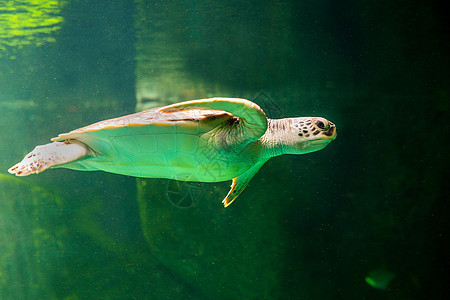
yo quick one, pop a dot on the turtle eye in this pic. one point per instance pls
(322, 125)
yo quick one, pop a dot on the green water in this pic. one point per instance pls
(364, 218)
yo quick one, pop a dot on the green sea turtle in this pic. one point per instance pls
(208, 140)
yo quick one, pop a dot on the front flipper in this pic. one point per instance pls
(49, 155)
(239, 183)
(251, 114)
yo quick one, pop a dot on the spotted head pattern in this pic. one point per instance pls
(313, 126)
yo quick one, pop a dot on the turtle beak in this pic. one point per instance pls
(331, 133)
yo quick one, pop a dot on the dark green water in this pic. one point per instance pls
(364, 218)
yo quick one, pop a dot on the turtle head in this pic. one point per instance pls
(309, 134)
(297, 135)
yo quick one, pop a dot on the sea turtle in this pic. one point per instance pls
(208, 140)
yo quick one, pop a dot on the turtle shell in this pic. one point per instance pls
(156, 143)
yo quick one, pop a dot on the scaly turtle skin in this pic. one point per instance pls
(208, 140)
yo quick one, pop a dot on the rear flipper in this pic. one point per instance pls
(49, 155)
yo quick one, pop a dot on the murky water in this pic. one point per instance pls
(364, 218)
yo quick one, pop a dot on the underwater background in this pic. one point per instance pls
(364, 218)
